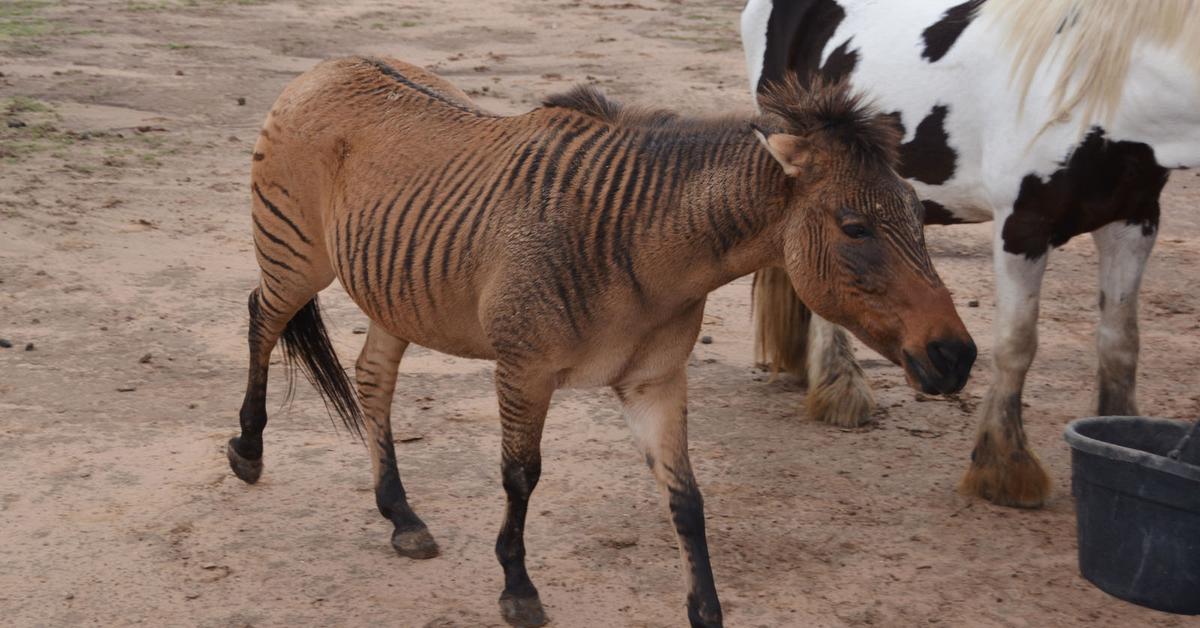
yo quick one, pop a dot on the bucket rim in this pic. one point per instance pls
(1127, 454)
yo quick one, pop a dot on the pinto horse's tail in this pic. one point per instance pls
(306, 346)
(780, 323)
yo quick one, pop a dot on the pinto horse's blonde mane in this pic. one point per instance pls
(1095, 40)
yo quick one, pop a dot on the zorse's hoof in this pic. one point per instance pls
(525, 612)
(247, 470)
(418, 543)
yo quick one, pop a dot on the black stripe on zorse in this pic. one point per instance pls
(550, 176)
(278, 214)
(277, 240)
(451, 206)
(395, 74)
(381, 244)
(273, 261)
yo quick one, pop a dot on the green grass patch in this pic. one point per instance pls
(20, 8)
(25, 104)
(18, 19)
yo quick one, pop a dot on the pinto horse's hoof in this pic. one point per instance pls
(416, 543)
(246, 469)
(842, 400)
(1015, 479)
(524, 612)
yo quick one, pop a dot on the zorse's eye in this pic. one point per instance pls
(855, 230)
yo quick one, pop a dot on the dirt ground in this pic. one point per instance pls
(125, 260)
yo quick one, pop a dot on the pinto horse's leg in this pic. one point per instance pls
(789, 337)
(375, 374)
(1003, 468)
(838, 393)
(1124, 249)
(524, 399)
(656, 412)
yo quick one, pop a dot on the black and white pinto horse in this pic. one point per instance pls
(1053, 118)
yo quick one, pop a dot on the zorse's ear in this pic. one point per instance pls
(793, 152)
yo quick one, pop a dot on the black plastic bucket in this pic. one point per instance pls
(1138, 511)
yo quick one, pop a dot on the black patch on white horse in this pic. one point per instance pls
(942, 34)
(840, 63)
(937, 214)
(1101, 182)
(797, 33)
(928, 158)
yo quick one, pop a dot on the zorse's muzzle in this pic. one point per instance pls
(945, 366)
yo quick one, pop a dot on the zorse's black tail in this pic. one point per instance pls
(306, 345)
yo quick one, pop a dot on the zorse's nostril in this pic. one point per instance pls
(952, 358)
(942, 356)
(968, 358)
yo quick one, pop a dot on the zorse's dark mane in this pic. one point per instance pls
(830, 110)
(836, 111)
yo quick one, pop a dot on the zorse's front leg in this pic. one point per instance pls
(656, 411)
(524, 399)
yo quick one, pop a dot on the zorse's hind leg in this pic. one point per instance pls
(245, 451)
(1003, 468)
(293, 271)
(656, 412)
(1124, 249)
(375, 373)
(269, 316)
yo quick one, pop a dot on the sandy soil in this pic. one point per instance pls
(125, 260)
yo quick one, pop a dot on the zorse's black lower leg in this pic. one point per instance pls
(375, 373)
(519, 602)
(245, 451)
(410, 537)
(687, 513)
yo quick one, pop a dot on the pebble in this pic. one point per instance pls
(359, 329)
(706, 340)
(145, 359)
(29, 346)
(5, 344)
(178, 72)
(126, 388)
(973, 303)
(15, 124)
(241, 101)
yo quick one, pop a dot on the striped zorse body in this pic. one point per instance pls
(574, 245)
